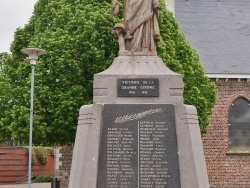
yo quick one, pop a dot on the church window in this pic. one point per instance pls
(239, 125)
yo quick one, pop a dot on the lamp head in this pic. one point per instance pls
(33, 54)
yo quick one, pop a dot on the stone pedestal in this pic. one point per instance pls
(138, 133)
(135, 67)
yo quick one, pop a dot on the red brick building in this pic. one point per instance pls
(220, 31)
(228, 166)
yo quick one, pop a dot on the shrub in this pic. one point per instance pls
(42, 155)
(43, 179)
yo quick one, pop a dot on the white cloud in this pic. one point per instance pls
(13, 14)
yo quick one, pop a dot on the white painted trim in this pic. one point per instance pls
(228, 76)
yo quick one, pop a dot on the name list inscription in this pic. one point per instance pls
(138, 153)
(139, 87)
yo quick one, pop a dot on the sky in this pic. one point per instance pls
(13, 14)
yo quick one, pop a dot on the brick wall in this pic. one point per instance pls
(224, 169)
(63, 164)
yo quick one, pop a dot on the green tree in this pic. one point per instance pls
(77, 36)
(4, 99)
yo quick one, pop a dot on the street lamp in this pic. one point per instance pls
(33, 57)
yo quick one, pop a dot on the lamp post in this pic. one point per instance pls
(33, 57)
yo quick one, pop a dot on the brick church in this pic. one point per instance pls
(220, 31)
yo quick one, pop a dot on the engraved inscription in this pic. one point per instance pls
(141, 152)
(138, 87)
(120, 152)
(152, 153)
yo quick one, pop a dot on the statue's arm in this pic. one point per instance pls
(115, 8)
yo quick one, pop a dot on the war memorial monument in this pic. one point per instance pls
(138, 133)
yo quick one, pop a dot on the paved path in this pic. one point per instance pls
(33, 185)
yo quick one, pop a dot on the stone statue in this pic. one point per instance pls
(140, 32)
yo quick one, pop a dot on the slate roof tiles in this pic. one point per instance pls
(220, 31)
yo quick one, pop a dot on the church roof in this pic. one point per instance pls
(220, 31)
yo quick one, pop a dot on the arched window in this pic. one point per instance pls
(239, 129)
